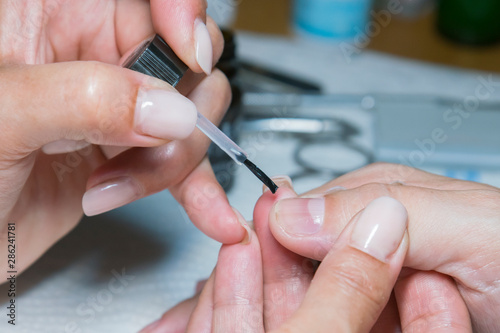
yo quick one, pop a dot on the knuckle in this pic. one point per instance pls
(105, 99)
(92, 84)
(97, 83)
(347, 207)
(390, 172)
(371, 191)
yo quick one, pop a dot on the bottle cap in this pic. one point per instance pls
(155, 58)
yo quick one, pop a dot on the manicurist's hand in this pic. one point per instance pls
(69, 114)
(259, 285)
(454, 247)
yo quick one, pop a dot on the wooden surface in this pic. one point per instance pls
(265, 16)
(417, 38)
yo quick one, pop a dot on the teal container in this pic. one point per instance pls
(339, 19)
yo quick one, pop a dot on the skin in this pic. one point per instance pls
(259, 285)
(453, 228)
(60, 81)
(48, 96)
(378, 298)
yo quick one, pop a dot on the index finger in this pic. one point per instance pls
(286, 275)
(183, 25)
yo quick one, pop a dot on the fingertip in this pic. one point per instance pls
(217, 39)
(184, 28)
(363, 263)
(248, 231)
(223, 224)
(380, 228)
(285, 190)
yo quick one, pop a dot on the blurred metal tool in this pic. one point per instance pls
(311, 119)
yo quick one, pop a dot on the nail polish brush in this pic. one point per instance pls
(155, 58)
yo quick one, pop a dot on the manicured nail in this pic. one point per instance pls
(244, 224)
(300, 216)
(281, 181)
(150, 327)
(380, 228)
(110, 195)
(203, 46)
(64, 146)
(164, 114)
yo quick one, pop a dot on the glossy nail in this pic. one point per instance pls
(203, 46)
(164, 114)
(64, 146)
(300, 216)
(380, 228)
(110, 195)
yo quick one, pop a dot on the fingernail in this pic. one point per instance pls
(150, 327)
(300, 216)
(203, 46)
(164, 114)
(380, 228)
(280, 181)
(64, 146)
(110, 195)
(244, 224)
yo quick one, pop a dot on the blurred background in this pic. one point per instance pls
(404, 81)
(320, 88)
(462, 33)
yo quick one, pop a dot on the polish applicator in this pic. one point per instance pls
(155, 58)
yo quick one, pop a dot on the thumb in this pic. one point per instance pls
(354, 282)
(91, 101)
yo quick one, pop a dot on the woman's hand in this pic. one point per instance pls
(59, 94)
(454, 229)
(260, 286)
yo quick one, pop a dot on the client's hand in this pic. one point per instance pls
(454, 229)
(260, 286)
